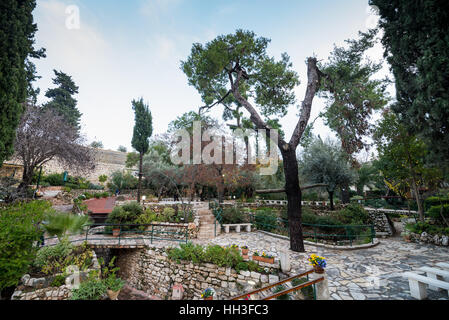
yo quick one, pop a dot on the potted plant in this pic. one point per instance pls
(245, 250)
(115, 231)
(318, 263)
(208, 294)
(114, 285)
(263, 258)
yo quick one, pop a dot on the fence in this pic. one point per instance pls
(126, 234)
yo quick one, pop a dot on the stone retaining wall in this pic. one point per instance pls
(152, 271)
(438, 239)
(380, 220)
(40, 288)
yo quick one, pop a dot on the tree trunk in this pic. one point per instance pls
(27, 178)
(293, 192)
(345, 197)
(140, 176)
(418, 198)
(331, 199)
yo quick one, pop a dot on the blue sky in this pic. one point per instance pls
(129, 49)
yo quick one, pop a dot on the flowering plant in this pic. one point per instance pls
(317, 261)
(208, 293)
(244, 247)
(263, 255)
(234, 246)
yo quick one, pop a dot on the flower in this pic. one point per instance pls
(208, 293)
(317, 261)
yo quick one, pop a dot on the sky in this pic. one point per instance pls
(117, 51)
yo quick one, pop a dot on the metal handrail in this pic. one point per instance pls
(270, 286)
(153, 234)
(282, 224)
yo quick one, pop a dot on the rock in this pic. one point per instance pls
(445, 240)
(25, 278)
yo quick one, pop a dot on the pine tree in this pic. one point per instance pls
(62, 100)
(16, 45)
(143, 129)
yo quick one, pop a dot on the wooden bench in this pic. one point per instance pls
(436, 274)
(237, 227)
(418, 284)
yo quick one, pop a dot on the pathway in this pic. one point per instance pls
(367, 274)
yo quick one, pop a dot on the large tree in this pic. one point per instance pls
(402, 159)
(42, 136)
(17, 32)
(416, 42)
(236, 68)
(143, 129)
(325, 162)
(62, 99)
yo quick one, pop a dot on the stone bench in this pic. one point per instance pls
(237, 227)
(443, 265)
(436, 274)
(418, 284)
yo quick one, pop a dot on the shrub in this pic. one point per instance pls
(421, 227)
(54, 261)
(19, 230)
(435, 201)
(435, 212)
(353, 214)
(91, 289)
(126, 214)
(61, 224)
(266, 220)
(232, 215)
(57, 252)
(58, 281)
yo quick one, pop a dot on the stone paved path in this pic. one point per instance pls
(367, 274)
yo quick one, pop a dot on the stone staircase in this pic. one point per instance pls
(207, 224)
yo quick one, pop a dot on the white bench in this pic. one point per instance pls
(418, 284)
(443, 265)
(237, 227)
(436, 274)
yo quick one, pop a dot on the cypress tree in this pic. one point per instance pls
(16, 45)
(416, 41)
(143, 129)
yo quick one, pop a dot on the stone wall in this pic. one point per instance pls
(152, 271)
(106, 162)
(436, 239)
(41, 289)
(380, 220)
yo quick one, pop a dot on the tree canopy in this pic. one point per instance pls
(17, 32)
(325, 162)
(416, 42)
(62, 101)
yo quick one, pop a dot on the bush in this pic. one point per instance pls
(232, 215)
(435, 201)
(435, 213)
(92, 289)
(266, 220)
(57, 252)
(53, 260)
(19, 230)
(126, 214)
(353, 214)
(421, 227)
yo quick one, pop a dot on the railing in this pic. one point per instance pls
(217, 211)
(116, 233)
(306, 284)
(338, 234)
